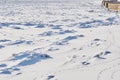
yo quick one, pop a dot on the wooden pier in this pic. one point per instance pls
(111, 5)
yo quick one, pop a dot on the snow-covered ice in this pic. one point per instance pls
(58, 40)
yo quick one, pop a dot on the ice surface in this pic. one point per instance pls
(58, 40)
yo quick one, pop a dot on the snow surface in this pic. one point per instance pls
(58, 40)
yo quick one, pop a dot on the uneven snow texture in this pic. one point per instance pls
(58, 40)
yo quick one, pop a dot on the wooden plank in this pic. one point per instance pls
(119, 8)
(112, 6)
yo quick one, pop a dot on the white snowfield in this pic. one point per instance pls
(58, 40)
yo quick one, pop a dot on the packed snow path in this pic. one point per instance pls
(59, 40)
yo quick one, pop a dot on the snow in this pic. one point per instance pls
(58, 40)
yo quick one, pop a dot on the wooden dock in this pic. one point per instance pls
(111, 5)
